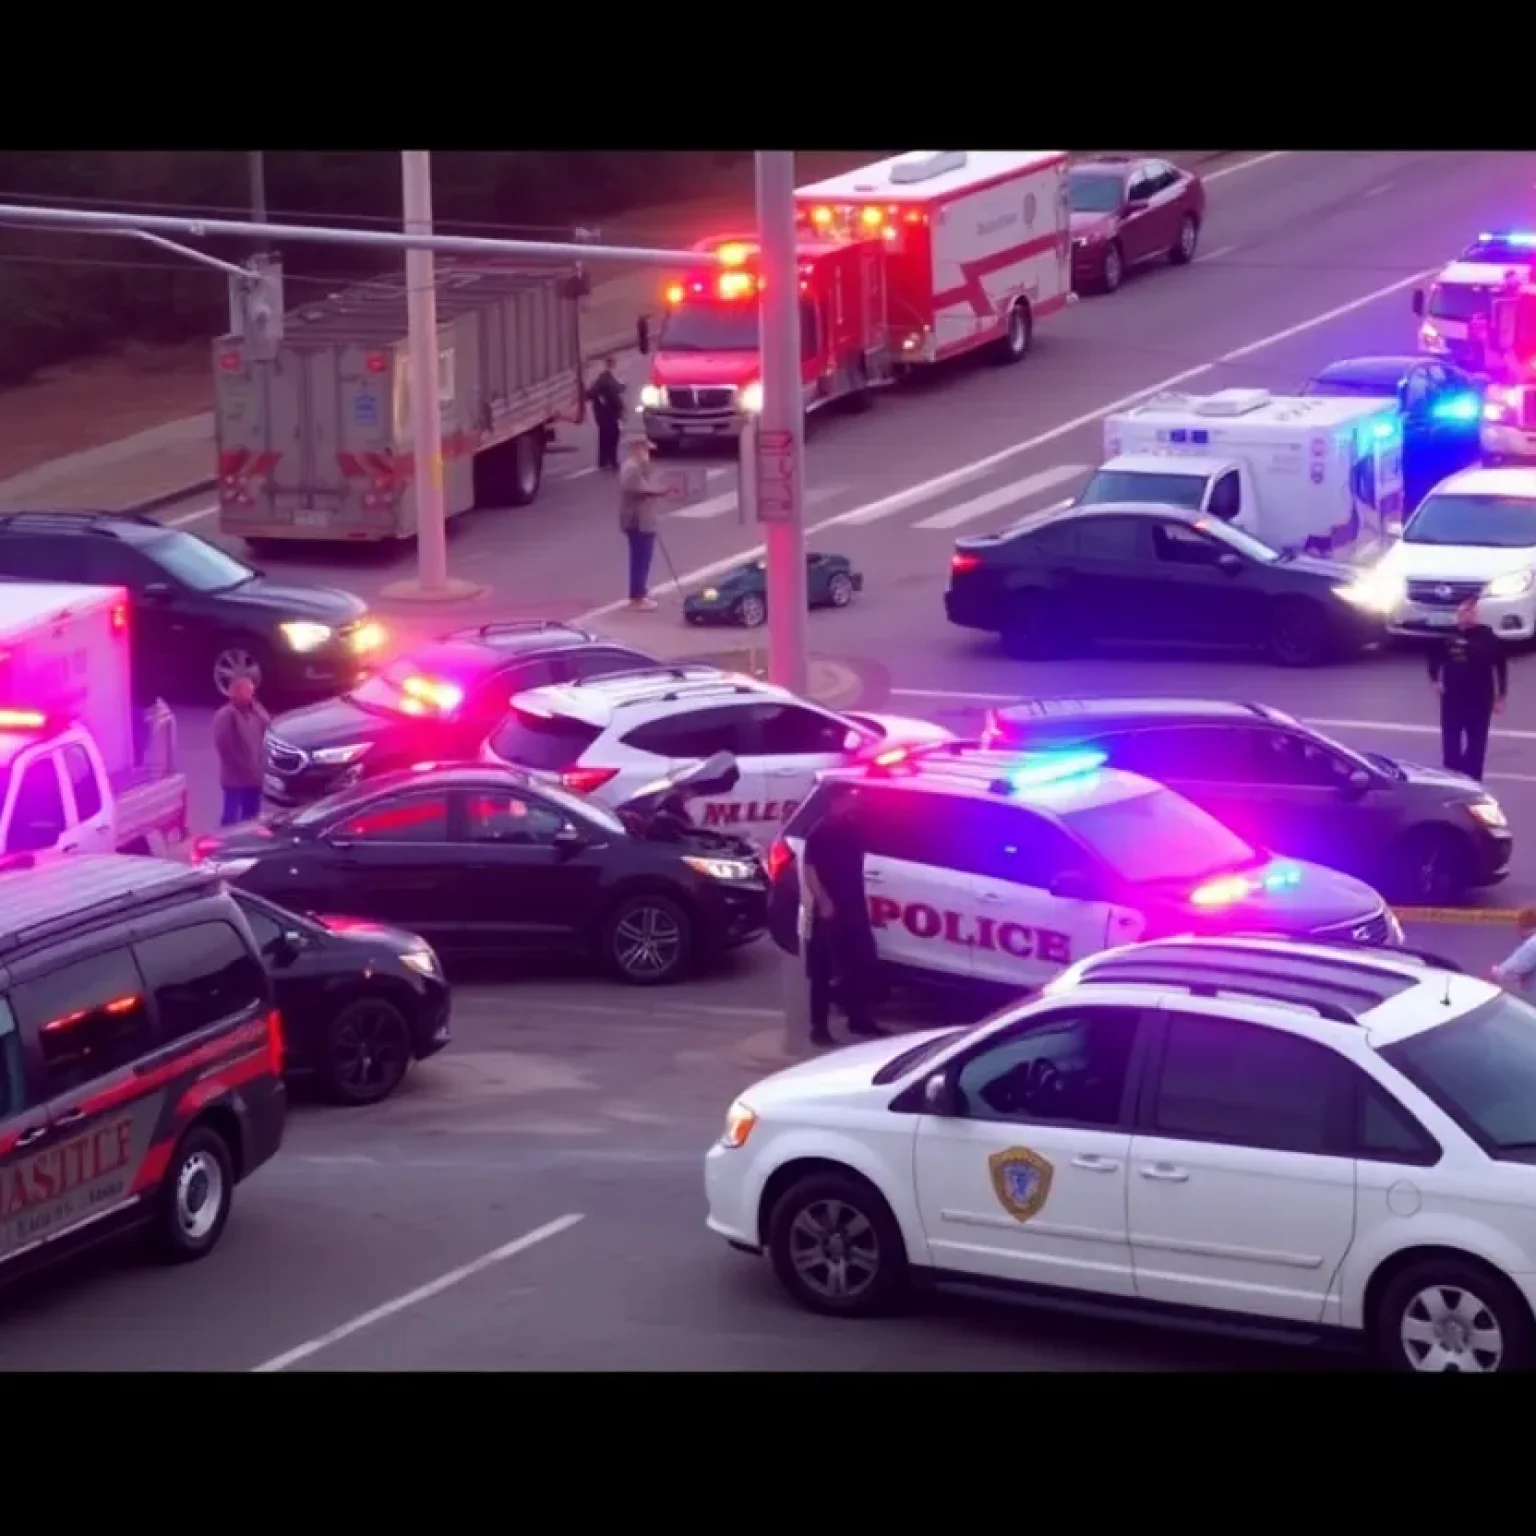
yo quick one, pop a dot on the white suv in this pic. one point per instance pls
(1329, 1140)
(610, 736)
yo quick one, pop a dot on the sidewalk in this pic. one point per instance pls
(173, 461)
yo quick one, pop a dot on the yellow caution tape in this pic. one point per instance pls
(1506, 915)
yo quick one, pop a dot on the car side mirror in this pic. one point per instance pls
(157, 591)
(1230, 563)
(1418, 302)
(569, 838)
(939, 1096)
(1356, 784)
(1075, 885)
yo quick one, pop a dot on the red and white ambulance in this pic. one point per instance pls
(903, 263)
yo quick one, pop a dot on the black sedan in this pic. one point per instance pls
(1442, 411)
(360, 1002)
(1141, 574)
(484, 863)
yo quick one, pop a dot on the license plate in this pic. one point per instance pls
(312, 519)
(271, 785)
(697, 431)
(1439, 620)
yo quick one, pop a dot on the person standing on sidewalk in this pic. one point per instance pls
(607, 400)
(239, 734)
(1515, 972)
(1470, 672)
(640, 501)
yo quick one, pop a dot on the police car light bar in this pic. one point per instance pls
(1229, 890)
(1049, 768)
(1525, 239)
(1457, 408)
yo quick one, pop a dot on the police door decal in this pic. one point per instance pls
(1021, 1180)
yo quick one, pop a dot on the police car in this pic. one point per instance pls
(1320, 1139)
(1453, 315)
(606, 737)
(997, 870)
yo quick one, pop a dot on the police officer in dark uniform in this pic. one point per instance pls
(840, 948)
(607, 399)
(1470, 671)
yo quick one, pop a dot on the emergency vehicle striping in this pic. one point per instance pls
(973, 291)
(1452, 915)
(730, 813)
(135, 1084)
(1020, 940)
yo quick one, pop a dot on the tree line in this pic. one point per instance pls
(70, 295)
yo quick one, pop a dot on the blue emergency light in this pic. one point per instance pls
(1282, 877)
(1465, 407)
(1384, 431)
(1195, 435)
(1045, 768)
(1522, 238)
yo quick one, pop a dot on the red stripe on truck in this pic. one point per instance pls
(973, 291)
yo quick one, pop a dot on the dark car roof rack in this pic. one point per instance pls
(1049, 707)
(516, 627)
(1423, 957)
(1339, 987)
(87, 889)
(83, 519)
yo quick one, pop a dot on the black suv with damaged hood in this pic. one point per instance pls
(483, 862)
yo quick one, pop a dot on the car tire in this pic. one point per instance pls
(836, 1248)
(1183, 251)
(525, 467)
(1112, 273)
(1014, 344)
(647, 940)
(1032, 631)
(840, 590)
(365, 1052)
(1451, 1314)
(1299, 635)
(195, 1199)
(1429, 867)
(750, 610)
(237, 653)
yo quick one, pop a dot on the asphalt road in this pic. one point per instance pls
(565, 1099)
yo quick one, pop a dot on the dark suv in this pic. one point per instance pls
(1421, 834)
(200, 616)
(141, 1057)
(436, 705)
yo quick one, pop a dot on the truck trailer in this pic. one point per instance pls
(317, 442)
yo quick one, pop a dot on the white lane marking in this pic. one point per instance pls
(1246, 165)
(1004, 496)
(577, 474)
(1411, 730)
(1376, 191)
(728, 501)
(953, 477)
(1216, 255)
(422, 1293)
(190, 517)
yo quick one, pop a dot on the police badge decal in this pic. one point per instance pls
(1021, 1180)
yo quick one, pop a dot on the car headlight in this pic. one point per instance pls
(367, 637)
(752, 398)
(1510, 584)
(739, 1120)
(334, 757)
(710, 594)
(230, 869)
(652, 397)
(422, 960)
(1489, 812)
(304, 634)
(723, 869)
(1372, 593)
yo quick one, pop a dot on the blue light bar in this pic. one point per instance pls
(1457, 408)
(1054, 768)
(1281, 877)
(1384, 430)
(1522, 238)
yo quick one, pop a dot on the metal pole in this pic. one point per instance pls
(426, 406)
(780, 473)
(258, 174)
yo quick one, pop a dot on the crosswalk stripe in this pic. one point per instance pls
(718, 506)
(1003, 496)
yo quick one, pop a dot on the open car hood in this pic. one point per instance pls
(716, 775)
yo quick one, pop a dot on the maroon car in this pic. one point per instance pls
(1127, 211)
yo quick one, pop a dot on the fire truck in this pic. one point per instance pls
(1508, 431)
(902, 264)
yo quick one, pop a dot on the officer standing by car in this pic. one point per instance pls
(839, 941)
(1470, 672)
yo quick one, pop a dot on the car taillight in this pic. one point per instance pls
(275, 1042)
(202, 847)
(959, 565)
(780, 857)
(586, 781)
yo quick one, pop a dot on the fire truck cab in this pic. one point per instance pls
(706, 377)
(1508, 431)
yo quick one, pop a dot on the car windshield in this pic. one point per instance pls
(709, 328)
(1117, 485)
(1095, 192)
(1481, 1070)
(197, 564)
(1245, 543)
(1158, 836)
(1479, 522)
(410, 686)
(1459, 301)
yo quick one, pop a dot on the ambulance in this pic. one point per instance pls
(1306, 475)
(1454, 313)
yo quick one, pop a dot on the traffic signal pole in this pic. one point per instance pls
(780, 436)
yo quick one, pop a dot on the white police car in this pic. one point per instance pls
(608, 736)
(1323, 1139)
(999, 869)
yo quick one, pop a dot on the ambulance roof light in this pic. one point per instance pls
(925, 164)
(735, 253)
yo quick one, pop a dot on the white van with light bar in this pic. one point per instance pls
(1454, 314)
(81, 770)
(1306, 475)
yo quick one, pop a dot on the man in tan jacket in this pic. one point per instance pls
(640, 500)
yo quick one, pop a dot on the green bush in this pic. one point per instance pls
(68, 295)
